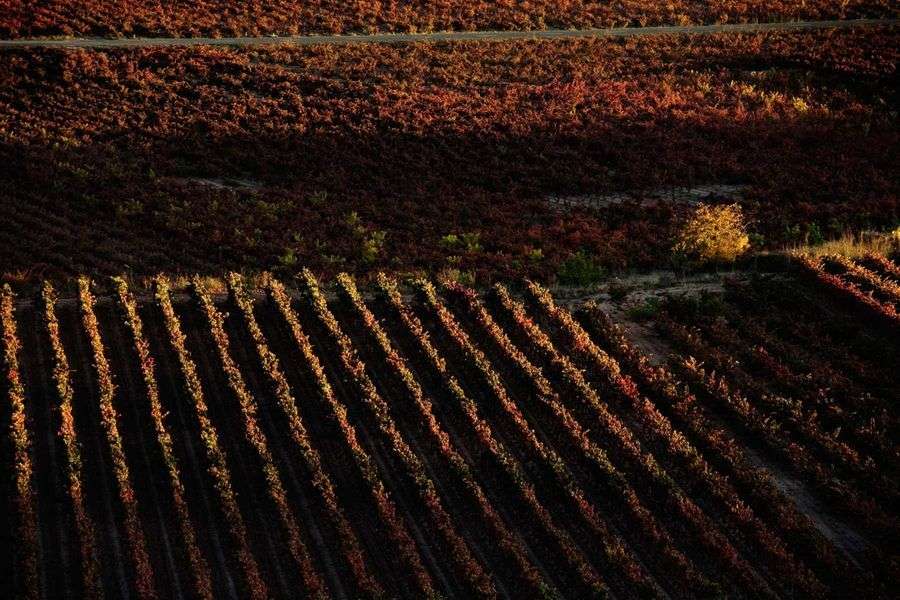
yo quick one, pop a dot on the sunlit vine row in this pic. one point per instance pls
(256, 437)
(218, 465)
(199, 565)
(691, 463)
(885, 266)
(25, 500)
(467, 565)
(109, 420)
(885, 287)
(62, 378)
(396, 528)
(703, 528)
(678, 567)
(508, 540)
(690, 414)
(616, 554)
(850, 291)
(320, 478)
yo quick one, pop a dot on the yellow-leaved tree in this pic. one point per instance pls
(713, 234)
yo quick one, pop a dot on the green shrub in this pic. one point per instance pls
(352, 219)
(372, 246)
(644, 311)
(289, 258)
(580, 269)
(619, 291)
(535, 254)
(459, 276)
(318, 198)
(470, 242)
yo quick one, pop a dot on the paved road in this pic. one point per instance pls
(454, 36)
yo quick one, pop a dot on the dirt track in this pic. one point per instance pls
(450, 36)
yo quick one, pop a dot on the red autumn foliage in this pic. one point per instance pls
(218, 18)
(243, 158)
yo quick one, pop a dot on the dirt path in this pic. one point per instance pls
(838, 531)
(645, 287)
(448, 36)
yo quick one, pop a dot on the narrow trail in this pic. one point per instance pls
(445, 36)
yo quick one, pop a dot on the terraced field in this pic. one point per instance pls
(427, 440)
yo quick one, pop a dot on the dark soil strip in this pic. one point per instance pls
(322, 544)
(98, 477)
(43, 421)
(145, 459)
(200, 493)
(247, 476)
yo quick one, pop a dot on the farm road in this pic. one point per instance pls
(449, 36)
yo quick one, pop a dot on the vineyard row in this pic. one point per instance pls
(433, 441)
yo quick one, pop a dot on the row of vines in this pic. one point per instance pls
(433, 441)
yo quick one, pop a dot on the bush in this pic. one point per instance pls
(580, 269)
(713, 234)
(289, 258)
(619, 291)
(644, 311)
(454, 275)
(471, 242)
(372, 246)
